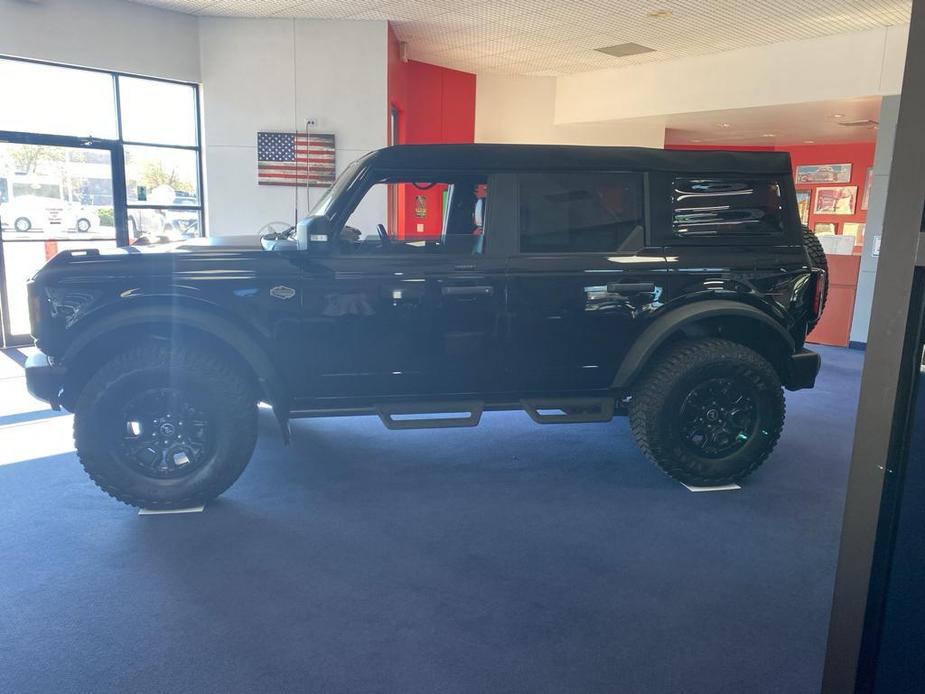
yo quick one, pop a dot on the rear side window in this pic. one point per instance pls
(705, 207)
(581, 213)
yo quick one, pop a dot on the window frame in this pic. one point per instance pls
(663, 229)
(117, 146)
(646, 212)
(373, 176)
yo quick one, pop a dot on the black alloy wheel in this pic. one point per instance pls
(166, 433)
(718, 417)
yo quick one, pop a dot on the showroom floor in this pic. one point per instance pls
(511, 557)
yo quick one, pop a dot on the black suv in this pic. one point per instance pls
(433, 283)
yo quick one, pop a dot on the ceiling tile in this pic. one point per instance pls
(551, 35)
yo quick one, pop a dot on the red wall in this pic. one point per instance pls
(861, 157)
(435, 105)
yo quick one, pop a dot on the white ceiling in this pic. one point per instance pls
(553, 37)
(791, 124)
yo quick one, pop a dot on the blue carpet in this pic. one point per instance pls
(508, 558)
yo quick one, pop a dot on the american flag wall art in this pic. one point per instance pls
(295, 159)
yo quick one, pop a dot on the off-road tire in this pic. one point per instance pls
(658, 396)
(233, 413)
(817, 260)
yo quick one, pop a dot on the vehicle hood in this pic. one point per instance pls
(224, 243)
(244, 242)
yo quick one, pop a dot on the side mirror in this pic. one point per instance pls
(317, 234)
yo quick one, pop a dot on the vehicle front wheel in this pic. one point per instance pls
(22, 224)
(160, 427)
(708, 412)
(83, 225)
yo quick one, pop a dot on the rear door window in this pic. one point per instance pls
(581, 213)
(721, 206)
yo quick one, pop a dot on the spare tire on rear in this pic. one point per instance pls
(817, 260)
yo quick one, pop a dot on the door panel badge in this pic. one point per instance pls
(281, 291)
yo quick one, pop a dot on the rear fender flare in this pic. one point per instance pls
(675, 320)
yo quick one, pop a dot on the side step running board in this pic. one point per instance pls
(411, 415)
(569, 410)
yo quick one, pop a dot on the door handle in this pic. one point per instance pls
(479, 290)
(627, 287)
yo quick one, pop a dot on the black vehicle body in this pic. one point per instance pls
(323, 332)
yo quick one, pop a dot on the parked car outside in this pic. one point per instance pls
(165, 220)
(34, 213)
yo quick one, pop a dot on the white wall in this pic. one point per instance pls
(865, 63)
(108, 34)
(521, 109)
(273, 74)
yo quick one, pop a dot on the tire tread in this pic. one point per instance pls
(656, 383)
(239, 396)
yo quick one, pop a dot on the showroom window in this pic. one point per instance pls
(153, 124)
(92, 159)
(724, 206)
(160, 135)
(581, 213)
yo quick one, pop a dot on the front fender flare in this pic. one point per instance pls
(674, 320)
(269, 379)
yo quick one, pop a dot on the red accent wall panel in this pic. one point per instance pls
(435, 105)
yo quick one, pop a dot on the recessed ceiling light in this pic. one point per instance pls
(724, 125)
(768, 135)
(808, 142)
(622, 50)
(838, 115)
(659, 14)
(696, 140)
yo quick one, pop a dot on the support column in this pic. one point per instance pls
(873, 231)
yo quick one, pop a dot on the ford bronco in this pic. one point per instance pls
(432, 283)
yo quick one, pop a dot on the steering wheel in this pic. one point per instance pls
(384, 237)
(274, 230)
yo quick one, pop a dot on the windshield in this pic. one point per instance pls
(342, 182)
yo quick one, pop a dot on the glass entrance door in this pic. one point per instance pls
(52, 198)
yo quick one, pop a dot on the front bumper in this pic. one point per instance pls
(802, 370)
(44, 380)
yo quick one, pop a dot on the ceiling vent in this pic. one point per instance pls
(623, 50)
(864, 123)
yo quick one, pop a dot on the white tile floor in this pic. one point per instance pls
(28, 428)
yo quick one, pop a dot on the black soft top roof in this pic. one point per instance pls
(573, 157)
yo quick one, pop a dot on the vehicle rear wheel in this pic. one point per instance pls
(22, 224)
(708, 412)
(160, 427)
(83, 225)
